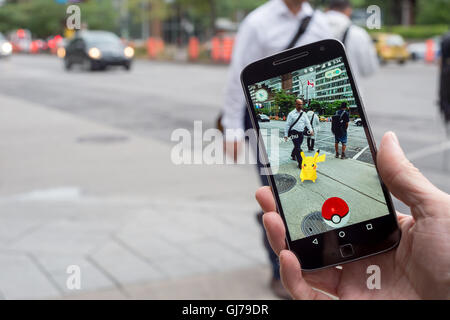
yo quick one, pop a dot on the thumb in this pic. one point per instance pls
(403, 179)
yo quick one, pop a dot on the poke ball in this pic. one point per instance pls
(335, 212)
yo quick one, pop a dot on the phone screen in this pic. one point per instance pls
(319, 189)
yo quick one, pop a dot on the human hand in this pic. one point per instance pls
(419, 268)
(285, 138)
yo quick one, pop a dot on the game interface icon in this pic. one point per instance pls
(335, 212)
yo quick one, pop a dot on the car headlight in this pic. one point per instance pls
(95, 53)
(61, 52)
(6, 48)
(128, 52)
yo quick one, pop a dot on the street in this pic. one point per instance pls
(86, 178)
(357, 146)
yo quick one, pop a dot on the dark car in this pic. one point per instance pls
(96, 50)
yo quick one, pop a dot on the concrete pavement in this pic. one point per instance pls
(120, 210)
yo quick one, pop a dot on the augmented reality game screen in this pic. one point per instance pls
(319, 189)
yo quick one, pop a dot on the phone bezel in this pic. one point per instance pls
(385, 234)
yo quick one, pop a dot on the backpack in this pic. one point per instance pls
(336, 124)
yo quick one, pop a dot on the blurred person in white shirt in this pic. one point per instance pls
(315, 124)
(360, 50)
(271, 28)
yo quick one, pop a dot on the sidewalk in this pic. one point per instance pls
(73, 192)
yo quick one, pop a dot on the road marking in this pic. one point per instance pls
(356, 156)
(327, 137)
(427, 151)
(55, 194)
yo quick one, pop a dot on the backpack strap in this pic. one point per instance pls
(344, 37)
(292, 125)
(301, 30)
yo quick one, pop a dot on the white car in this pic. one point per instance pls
(5, 47)
(417, 50)
(263, 118)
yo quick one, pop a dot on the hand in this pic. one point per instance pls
(312, 132)
(285, 138)
(419, 268)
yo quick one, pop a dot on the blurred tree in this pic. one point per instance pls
(330, 108)
(151, 11)
(205, 12)
(422, 11)
(433, 12)
(285, 101)
(99, 15)
(314, 105)
(46, 17)
(42, 17)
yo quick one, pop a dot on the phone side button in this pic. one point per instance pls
(346, 250)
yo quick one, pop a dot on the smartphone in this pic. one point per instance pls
(335, 209)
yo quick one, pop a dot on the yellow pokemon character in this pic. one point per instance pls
(309, 166)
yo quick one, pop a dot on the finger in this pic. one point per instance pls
(265, 199)
(401, 177)
(293, 281)
(276, 233)
(326, 279)
(404, 221)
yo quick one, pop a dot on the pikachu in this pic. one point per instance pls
(309, 166)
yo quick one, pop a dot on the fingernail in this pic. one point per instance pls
(395, 138)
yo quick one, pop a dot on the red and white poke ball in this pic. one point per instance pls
(335, 212)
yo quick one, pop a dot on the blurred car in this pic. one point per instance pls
(54, 42)
(358, 122)
(5, 47)
(417, 50)
(38, 46)
(263, 118)
(21, 40)
(97, 50)
(61, 48)
(323, 119)
(391, 47)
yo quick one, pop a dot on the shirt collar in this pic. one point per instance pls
(283, 10)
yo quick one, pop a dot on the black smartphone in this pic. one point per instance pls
(335, 209)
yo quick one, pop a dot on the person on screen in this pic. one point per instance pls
(296, 123)
(315, 123)
(339, 127)
(269, 29)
